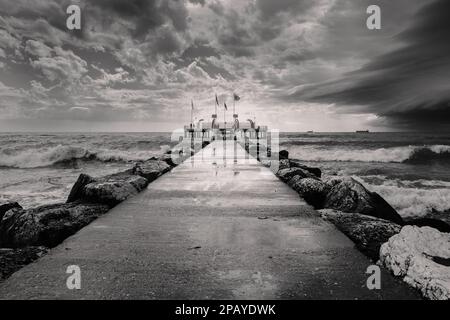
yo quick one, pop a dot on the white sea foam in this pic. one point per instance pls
(412, 198)
(34, 158)
(394, 154)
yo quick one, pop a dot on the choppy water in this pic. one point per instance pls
(410, 170)
(40, 169)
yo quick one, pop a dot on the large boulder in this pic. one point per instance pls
(7, 205)
(421, 256)
(331, 181)
(110, 190)
(349, 195)
(167, 158)
(294, 163)
(78, 188)
(46, 225)
(368, 233)
(310, 189)
(283, 155)
(12, 260)
(113, 190)
(151, 169)
(284, 164)
(288, 173)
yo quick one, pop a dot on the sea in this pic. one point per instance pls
(410, 170)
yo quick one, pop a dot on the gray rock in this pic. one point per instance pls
(110, 190)
(6, 205)
(151, 169)
(167, 158)
(351, 196)
(12, 260)
(77, 189)
(288, 173)
(417, 255)
(113, 190)
(283, 155)
(294, 163)
(331, 181)
(284, 164)
(368, 233)
(310, 189)
(46, 225)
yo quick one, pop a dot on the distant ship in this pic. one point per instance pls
(362, 131)
(310, 131)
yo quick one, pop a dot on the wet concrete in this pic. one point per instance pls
(218, 226)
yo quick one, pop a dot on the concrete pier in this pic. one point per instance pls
(219, 226)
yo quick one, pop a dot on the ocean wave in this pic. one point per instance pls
(411, 198)
(35, 158)
(405, 154)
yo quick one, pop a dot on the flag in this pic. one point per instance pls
(192, 104)
(236, 97)
(225, 105)
(217, 100)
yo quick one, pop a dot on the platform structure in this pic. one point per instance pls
(209, 131)
(218, 226)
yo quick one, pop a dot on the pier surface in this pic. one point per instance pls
(218, 226)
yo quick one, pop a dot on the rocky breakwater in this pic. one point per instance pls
(26, 234)
(375, 226)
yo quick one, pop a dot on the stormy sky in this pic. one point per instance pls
(298, 65)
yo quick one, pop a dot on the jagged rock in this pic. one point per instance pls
(288, 173)
(368, 233)
(310, 189)
(331, 181)
(167, 158)
(283, 155)
(351, 196)
(77, 189)
(46, 225)
(6, 205)
(112, 191)
(12, 260)
(284, 164)
(151, 169)
(298, 164)
(420, 256)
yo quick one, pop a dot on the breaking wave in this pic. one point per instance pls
(411, 198)
(406, 154)
(35, 158)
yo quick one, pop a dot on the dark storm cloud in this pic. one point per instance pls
(146, 14)
(200, 2)
(408, 86)
(270, 9)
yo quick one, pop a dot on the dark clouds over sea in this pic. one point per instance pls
(138, 63)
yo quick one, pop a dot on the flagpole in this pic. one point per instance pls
(192, 114)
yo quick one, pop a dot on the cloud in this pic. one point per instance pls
(63, 66)
(407, 86)
(37, 48)
(138, 59)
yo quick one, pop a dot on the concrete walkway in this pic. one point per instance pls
(210, 229)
